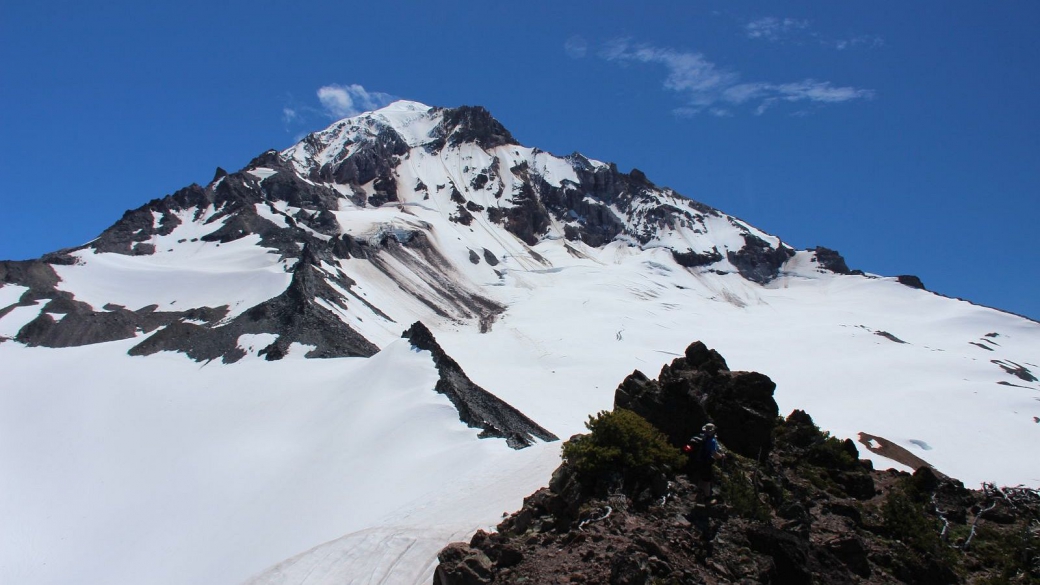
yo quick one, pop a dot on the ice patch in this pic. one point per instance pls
(299, 350)
(11, 294)
(19, 317)
(276, 218)
(262, 172)
(251, 343)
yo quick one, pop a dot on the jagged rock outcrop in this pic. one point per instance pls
(699, 388)
(911, 281)
(477, 407)
(758, 261)
(831, 260)
(691, 259)
(472, 124)
(808, 512)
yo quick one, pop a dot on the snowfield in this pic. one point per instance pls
(163, 470)
(157, 470)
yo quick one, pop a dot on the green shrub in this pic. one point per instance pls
(907, 521)
(831, 452)
(904, 514)
(799, 431)
(621, 443)
(1015, 554)
(738, 491)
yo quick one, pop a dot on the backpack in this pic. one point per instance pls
(698, 449)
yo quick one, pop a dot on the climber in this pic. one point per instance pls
(703, 451)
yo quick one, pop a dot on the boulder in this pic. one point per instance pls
(461, 564)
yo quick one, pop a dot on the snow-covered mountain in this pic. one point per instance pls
(160, 420)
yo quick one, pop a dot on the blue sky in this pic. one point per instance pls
(905, 136)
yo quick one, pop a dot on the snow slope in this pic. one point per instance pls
(156, 470)
(548, 279)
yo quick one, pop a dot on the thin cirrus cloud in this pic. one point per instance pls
(576, 47)
(794, 30)
(868, 41)
(771, 28)
(342, 101)
(706, 87)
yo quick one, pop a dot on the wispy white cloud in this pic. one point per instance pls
(771, 28)
(866, 41)
(799, 31)
(576, 47)
(334, 101)
(705, 86)
(342, 101)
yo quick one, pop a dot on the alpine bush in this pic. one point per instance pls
(925, 557)
(737, 488)
(621, 443)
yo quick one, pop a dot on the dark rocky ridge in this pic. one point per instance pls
(293, 316)
(233, 198)
(691, 259)
(78, 324)
(808, 511)
(477, 407)
(65, 322)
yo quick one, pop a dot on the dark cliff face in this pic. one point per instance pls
(805, 511)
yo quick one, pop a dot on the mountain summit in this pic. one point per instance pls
(159, 374)
(362, 189)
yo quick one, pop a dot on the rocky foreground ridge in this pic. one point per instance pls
(791, 504)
